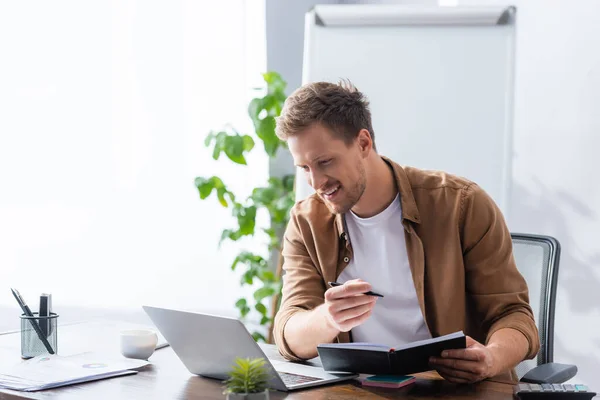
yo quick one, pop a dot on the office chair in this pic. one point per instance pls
(537, 258)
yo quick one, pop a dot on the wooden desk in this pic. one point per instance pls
(167, 378)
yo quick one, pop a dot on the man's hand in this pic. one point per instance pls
(347, 306)
(469, 365)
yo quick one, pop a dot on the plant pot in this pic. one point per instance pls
(248, 396)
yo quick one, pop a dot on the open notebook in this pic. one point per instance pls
(371, 358)
(50, 371)
(382, 347)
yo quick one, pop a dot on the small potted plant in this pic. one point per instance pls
(248, 380)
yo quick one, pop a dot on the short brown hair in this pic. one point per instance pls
(340, 107)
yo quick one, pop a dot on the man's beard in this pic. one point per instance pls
(352, 194)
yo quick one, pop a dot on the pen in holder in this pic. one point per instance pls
(39, 335)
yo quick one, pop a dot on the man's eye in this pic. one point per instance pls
(305, 168)
(326, 162)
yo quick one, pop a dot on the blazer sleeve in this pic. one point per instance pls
(303, 285)
(498, 290)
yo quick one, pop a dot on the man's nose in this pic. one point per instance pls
(317, 180)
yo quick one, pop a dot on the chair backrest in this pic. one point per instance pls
(537, 258)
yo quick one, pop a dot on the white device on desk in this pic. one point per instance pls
(208, 345)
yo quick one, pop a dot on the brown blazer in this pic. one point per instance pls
(459, 250)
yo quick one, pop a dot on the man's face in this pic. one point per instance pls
(335, 170)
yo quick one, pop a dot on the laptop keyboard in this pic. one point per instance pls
(293, 379)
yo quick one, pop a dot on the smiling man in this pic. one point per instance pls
(435, 245)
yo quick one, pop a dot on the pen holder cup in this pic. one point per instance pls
(39, 335)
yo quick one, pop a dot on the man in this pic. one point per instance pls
(435, 245)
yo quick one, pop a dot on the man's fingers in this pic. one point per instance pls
(456, 364)
(351, 323)
(471, 341)
(453, 379)
(353, 312)
(348, 289)
(455, 375)
(350, 302)
(355, 280)
(473, 354)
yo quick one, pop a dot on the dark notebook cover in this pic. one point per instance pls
(367, 358)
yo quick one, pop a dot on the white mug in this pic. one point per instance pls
(138, 343)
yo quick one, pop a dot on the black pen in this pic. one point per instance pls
(44, 314)
(34, 324)
(369, 293)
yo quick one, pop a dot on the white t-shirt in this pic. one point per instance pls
(380, 258)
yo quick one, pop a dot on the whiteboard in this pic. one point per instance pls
(439, 80)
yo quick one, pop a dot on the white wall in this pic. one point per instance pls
(420, 2)
(556, 163)
(104, 108)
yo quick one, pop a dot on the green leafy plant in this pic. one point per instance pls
(247, 376)
(276, 197)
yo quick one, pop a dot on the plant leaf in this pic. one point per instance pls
(263, 292)
(235, 262)
(246, 218)
(241, 303)
(229, 234)
(248, 143)
(267, 276)
(244, 311)
(209, 138)
(205, 187)
(271, 147)
(248, 278)
(221, 196)
(274, 81)
(216, 152)
(263, 196)
(266, 129)
(254, 108)
(234, 148)
(261, 308)
(288, 183)
(248, 376)
(258, 337)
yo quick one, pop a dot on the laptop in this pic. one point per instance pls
(208, 345)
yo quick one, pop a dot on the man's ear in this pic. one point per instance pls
(365, 143)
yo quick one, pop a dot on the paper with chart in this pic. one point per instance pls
(49, 371)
